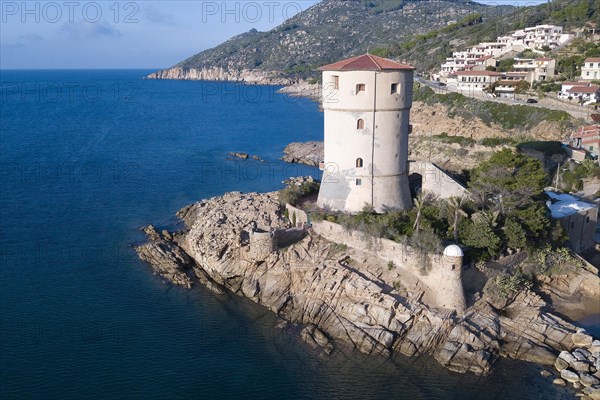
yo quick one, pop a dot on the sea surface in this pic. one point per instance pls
(87, 158)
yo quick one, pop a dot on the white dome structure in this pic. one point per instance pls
(453, 251)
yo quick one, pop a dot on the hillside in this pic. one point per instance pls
(421, 32)
(438, 44)
(331, 30)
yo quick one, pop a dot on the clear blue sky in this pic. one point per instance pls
(132, 34)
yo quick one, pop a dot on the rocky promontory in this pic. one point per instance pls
(245, 244)
(247, 76)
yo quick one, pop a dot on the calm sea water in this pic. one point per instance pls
(87, 158)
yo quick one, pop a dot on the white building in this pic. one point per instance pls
(585, 94)
(366, 102)
(475, 81)
(537, 69)
(590, 71)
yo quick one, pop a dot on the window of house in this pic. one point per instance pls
(359, 163)
(395, 87)
(587, 220)
(336, 81)
(360, 124)
(572, 224)
(358, 182)
(361, 88)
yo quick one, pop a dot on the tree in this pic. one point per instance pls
(420, 202)
(522, 87)
(507, 181)
(481, 236)
(456, 207)
(514, 234)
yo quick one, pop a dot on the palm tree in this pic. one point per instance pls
(420, 202)
(489, 218)
(455, 206)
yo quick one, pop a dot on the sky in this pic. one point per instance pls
(133, 34)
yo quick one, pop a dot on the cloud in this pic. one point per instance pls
(23, 41)
(84, 29)
(154, 15)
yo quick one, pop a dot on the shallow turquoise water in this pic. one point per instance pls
(90, 156)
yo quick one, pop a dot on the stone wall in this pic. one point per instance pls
(301, 216)
(443, 283)
(436, 181)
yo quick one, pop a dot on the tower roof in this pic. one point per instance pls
(366, 62)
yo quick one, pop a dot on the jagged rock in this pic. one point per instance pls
(243, 156)
(581, 354)
(582, 340)
(560, 364)
(595, 348)
(307, 284)
(588, 380)
(581, 366)
(568, 357)
(592, 392)
(569, 375)
(316, 338)
(559, 382)
(310, 153)
(546, 374)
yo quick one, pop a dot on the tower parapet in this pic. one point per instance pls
(366, 101)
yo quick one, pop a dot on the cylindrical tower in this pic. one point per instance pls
(451, 295)
(366, 101)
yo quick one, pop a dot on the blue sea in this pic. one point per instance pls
(87, 158)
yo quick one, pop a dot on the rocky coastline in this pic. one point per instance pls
(244, 244)
(247, 76)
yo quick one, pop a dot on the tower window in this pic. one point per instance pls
(359, 163)
(336, 81)
(360, 124)
(361, 88)
(358, 182)
(395, 87)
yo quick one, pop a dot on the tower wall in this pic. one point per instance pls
(380, 141)
(451, 294)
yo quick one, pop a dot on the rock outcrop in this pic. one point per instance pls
(340, 294)
(310, 153)
(253, 77)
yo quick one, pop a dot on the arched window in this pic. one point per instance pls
(359, 163)
(360, 124)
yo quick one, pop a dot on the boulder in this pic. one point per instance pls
(569, 375)
(581, 354)
(559, 382)
(582, 340)
(588, 380)
(581, 366)
(560, 364)
(568, 357)
(593, 392)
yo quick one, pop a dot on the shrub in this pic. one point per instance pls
(496, 141)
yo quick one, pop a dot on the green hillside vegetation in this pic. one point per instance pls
(420, 32)
(507, 116)
(439, 44)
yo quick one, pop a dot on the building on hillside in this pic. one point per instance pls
(537, 69)
(585, 94)
(590, 71)
(474, 81)
(540, 36)
(588, 139)
(578, 219)
(367, 102)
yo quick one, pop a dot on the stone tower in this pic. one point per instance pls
(451, 293)
(367, 101)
